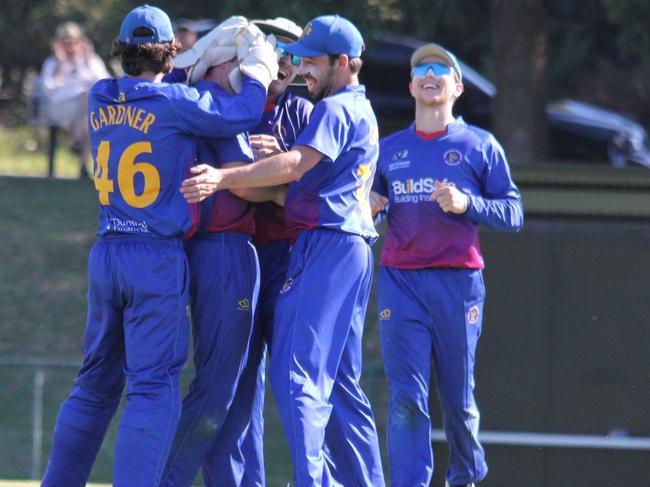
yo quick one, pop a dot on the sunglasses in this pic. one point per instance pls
(281, 46)
(437, 69)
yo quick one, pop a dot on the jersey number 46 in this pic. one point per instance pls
(127, 168)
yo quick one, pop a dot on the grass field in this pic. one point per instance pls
(49, 226)
(24, 153)
(30, 483)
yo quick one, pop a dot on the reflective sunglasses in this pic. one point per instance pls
(295, 60)
(437, 68)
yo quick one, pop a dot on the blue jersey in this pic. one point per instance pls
(223, 211)
(143, 140)
(284, 120)
(334, 193)
(420, 234)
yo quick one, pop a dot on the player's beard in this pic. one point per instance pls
(324, 86)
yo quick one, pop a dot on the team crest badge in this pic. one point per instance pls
(306, 31)
(243, 305)
(472, 315)
(384, 314)
(286, 286)
(121, 98)
(452, 157)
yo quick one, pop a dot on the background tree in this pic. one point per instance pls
(518, 112)
(592, 50)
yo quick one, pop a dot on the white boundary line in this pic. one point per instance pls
(555, 440)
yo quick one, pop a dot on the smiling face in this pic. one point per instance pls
(286, 73)
(319, 73)
(435, 90)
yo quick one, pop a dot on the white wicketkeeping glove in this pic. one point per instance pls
(257, 57)
(216, 47)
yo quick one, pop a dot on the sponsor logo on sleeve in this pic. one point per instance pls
(286, 286)
(473, 315)
(373, 135)
(384, 314)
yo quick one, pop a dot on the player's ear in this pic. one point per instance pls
(343, 61)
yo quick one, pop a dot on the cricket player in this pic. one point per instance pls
(438, 180)
(237, 458)
(224, 279)
(142, 135)
(316, 348)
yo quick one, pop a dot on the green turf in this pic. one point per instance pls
(48, 228)
(24, 153)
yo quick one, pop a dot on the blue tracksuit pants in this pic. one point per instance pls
(431, 317)
(137, 333)
(316, 360)
(237, 457)
(224, 285)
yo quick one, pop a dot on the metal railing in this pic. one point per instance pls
(514, 438)
(39, 366)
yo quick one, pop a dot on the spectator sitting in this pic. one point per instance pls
(66, 77)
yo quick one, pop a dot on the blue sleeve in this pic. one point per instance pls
(203, 115)
(306, 108)
(379, 182)
(175, 76)
(326, 131)
(232, 149)
(379, 186)
(499, 206)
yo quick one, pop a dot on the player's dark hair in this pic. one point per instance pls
(355, 63)
(154, 57)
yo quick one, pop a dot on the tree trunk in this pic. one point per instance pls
(518, 113)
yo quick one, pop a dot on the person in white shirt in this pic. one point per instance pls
(66, 77)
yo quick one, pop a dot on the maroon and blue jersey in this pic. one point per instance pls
(223, 211)
(143, 140)
(420, 235)
(284, 120)
(334, 193)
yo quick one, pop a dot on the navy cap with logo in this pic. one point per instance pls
(150, 24)
(328, 34)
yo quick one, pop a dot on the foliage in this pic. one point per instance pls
(592, 43)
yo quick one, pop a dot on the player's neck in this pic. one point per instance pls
(149, 76)
(341, 80)
(430, 119)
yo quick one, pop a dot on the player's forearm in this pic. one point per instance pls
(506, 214)
(259, 195)
(273, 171)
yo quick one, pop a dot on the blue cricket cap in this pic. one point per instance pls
(436, 50)
(328, 34)
(150, 18)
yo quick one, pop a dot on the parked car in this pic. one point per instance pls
(578, 131)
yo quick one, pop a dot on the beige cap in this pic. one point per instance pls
(437, 50)
(279, 26)
(69, 30)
